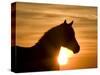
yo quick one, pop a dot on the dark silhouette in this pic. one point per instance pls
(43, 55)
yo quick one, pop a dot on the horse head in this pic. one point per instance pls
(61, 35)
(68, 37)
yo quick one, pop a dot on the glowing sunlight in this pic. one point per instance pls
(63, 56)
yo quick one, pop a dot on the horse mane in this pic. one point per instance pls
(51, 33)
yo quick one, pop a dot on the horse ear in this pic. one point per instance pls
(65, 21)
(71, 23)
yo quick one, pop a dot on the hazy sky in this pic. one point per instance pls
(32, 20)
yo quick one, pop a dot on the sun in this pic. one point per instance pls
(64, 55)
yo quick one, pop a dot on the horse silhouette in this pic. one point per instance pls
(42, 56)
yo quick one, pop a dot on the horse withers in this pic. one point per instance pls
(42, 56)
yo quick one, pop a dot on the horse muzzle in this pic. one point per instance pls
(76, 50)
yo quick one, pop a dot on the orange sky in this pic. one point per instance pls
(32, 20)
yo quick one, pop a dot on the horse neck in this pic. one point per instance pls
(47, 46)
